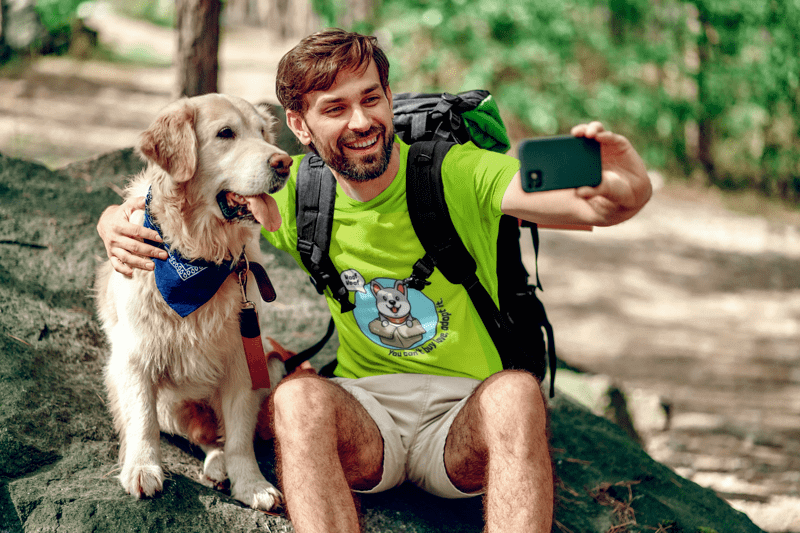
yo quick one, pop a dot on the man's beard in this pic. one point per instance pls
(362, 169)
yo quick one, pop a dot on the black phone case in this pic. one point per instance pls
(561, 162)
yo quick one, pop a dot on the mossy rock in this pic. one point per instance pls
(58, 450)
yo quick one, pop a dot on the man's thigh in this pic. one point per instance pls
(506, 400)
(370, 403)
(325, 410)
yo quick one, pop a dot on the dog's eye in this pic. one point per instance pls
(226, 133)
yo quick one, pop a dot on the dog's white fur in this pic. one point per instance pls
(162, 367)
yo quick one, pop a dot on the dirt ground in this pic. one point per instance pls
(689, 305)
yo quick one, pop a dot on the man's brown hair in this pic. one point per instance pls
(313, 64)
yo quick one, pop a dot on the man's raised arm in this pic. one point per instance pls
(625, 188)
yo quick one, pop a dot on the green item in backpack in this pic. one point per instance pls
(486, 128)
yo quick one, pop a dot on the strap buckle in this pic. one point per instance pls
(422, 270)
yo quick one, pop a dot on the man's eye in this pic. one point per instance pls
(226, 133)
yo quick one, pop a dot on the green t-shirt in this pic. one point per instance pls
(394, 329)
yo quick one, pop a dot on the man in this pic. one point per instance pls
(447, 417)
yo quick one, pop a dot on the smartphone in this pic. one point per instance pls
(561, 162)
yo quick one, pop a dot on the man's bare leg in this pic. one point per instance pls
(326, 443)
(499, 442)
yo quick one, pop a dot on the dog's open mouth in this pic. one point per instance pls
(261, 208)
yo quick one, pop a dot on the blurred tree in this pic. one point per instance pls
(289, 19)
(198, 27)
(708, 89)
(5, 51)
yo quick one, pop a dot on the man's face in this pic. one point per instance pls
(350, 125)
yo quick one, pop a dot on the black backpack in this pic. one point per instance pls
(432, 124)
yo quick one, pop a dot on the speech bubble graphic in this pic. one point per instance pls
(353, 281)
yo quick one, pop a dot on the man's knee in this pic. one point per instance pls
(299, 399)
(513, 393)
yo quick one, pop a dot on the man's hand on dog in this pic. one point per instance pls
(124, 241)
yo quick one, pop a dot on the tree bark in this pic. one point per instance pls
(705, 139)
(197, 24)
(288, 19)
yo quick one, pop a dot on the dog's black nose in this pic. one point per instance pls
(280, 164)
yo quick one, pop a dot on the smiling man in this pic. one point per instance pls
(362, 153)
(449, 419)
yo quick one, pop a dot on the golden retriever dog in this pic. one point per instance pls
(177, 360)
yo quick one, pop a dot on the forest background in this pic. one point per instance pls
(707, 90)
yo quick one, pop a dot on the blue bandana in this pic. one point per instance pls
(185, 285)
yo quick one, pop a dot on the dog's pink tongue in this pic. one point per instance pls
(265, 209)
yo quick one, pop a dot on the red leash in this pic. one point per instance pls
(249, 327)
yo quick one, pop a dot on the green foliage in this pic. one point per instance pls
(58, 19)
(704, 86)
(57, 15)
(157, 12)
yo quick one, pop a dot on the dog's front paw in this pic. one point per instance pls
(214, 469)
(142, 480)
(259, 495)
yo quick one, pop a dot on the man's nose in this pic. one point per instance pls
(359, 120)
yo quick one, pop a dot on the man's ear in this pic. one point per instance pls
(297, 124)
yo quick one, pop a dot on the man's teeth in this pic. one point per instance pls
(364, 144)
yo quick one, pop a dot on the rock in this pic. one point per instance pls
(58, 451)
(639, 412)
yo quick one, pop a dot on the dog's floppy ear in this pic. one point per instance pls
(265, 110)
(171, 143)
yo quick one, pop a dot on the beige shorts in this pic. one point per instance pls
(414, 413)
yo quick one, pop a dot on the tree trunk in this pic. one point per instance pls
(3, 48)
(197, 23)
(705, 138)
(288, 19)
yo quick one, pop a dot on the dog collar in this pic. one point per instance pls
(185, 285)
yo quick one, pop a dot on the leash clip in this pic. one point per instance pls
(242, 268)
(251, 331)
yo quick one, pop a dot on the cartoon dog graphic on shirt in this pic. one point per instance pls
(395, 326)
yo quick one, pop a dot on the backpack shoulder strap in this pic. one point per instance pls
(428, 209)
(316, 195)
(443, 246)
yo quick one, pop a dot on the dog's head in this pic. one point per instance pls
(218, 151)
(391, 302)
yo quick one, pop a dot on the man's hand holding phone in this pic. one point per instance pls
(592, 177)
(625, 187)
